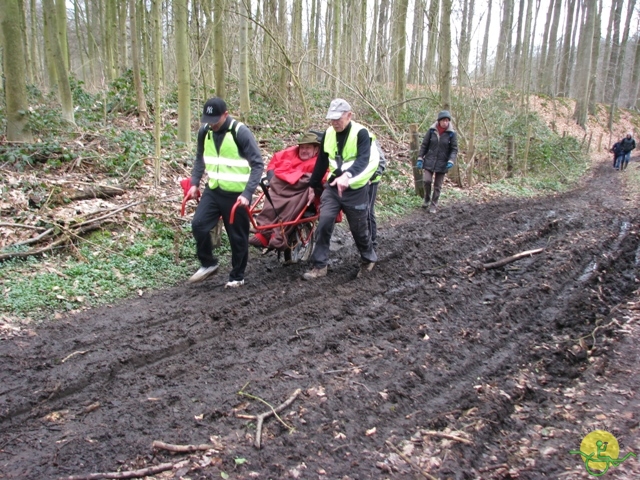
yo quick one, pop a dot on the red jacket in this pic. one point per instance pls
(288, 167)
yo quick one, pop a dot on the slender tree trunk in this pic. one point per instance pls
(542, 61)
(518, 53)
(550, 65)
(445, 54)
(156, 17)
(382, 59)
(462, 45)
(417, 34)
(61, 17)
(373, 43)
(14, 69)
(64, 89)
(500, 73)
(563, 77)
(143, 114)
(595, 52)
(122, 37)
(243, 75)
(584, 63)
(621, 62)
(433, 21)
(110, 29)
(183, 71)
(218, 47)
(525, 64)
(26, 41)
(615, 51)
(485, 44)
(335, 46)
(635, 80)
(399, 49)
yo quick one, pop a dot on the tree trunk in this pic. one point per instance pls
(621, 62)
(563, 77)
(594, 61)
(518, 54)
(61, 31)
(433, 21)
(399, 49)
(121, 64)
(485, 43)
(243, 74)
(143, 114)
(615, 51)
(64, 89)
(382, 59)
(445, 55)
(15, 73)
(183, 71)
(548, 83)
(218, 47)
(584, 63)
(417, 35)
(156, 16)
(500, 73)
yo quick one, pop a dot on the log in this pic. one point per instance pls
(181, 448)
(512, 258)
(143, 472)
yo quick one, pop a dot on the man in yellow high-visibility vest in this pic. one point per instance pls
(347, 153)
(229, 153)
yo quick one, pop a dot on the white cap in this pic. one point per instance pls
(337, 108)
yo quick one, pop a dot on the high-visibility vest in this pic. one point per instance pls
(349, 154)
(227, 170)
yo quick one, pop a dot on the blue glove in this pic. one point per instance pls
(419, 164)
(449, 164)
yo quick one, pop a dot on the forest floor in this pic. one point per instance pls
(432, 366)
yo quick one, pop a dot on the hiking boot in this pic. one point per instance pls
(425, 204)
(234, 284)
(202, 273)
(433, 208)
(315, 273)
(365, 267)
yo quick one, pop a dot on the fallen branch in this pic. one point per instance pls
(181, 448)
(274, 411)
(143, 472)
(78, 352)
(512, 258)
(448, 436)
(408, 460)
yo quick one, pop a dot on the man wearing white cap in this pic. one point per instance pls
(346, 152)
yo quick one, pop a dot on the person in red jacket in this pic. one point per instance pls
(288, 175)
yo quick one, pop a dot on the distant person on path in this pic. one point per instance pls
(373, 194)
(618, 154)
(437, 155)
(229, 153)
(347, 153)
(628, 144)
(288, 175)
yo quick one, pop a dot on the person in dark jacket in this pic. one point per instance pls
(437, 155)
(627, 144)
(229, 153)
(618, 154)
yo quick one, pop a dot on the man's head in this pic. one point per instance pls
(339, 114)
(629, 135)
(308, 146)
(444, 119)
(214, 113)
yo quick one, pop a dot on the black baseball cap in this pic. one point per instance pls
(213, 110)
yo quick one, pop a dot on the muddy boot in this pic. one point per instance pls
(425, 204)
(433, 208)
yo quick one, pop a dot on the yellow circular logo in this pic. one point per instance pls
(600, 443)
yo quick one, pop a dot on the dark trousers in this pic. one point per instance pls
(437, 186)
(213, 205)
(355, 205)
(373, 225)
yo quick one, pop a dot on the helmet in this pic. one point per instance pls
(444, 114)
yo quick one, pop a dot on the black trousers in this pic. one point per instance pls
(373, 225)
(214, 204)
(355, 205)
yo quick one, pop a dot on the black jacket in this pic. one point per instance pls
(627, 144)
(436, 151)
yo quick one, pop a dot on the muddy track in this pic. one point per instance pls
(427, 341)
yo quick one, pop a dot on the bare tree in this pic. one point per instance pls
(565, 56)
(143, 114)
(584, 63)
(444, 52)
(14, 70)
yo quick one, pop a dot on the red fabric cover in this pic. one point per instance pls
(288, 167)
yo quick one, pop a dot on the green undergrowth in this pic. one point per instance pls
(106, 267)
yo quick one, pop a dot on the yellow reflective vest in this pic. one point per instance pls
(227, 170)
(349, 154)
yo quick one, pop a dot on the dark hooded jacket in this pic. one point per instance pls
(437, 150)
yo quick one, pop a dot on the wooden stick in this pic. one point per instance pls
(181, 448)
(143, 472)
(78, 352)
(408, 460)
(448, 436)
(510, 259)
(274, 411)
